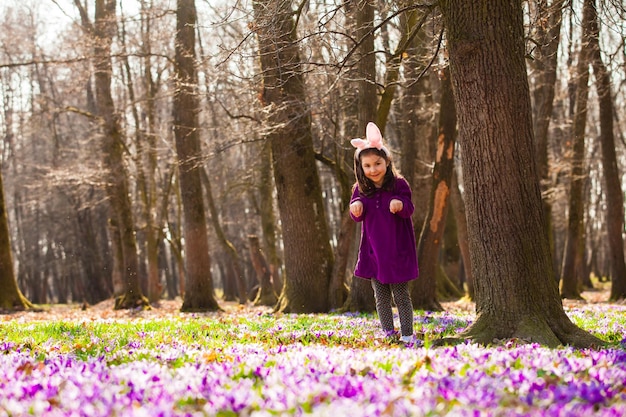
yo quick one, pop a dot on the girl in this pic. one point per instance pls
(381, 200)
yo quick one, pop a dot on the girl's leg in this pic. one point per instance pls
(382, 294)
(402, 297)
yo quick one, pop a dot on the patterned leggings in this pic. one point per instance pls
(382, 293)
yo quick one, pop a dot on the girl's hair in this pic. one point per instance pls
(365, 185)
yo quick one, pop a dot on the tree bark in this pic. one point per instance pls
(517, 294)
(614, 193)
(308, 254)
(424, 289)
(198, 294)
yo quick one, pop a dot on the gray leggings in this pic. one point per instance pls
(382, 293)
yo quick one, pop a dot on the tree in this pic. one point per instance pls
(360, 15)
(614, 193)
(199, 284)
(11, 297)
(227, 246)
(308, 255)
(266, 295)
(571, 273)
(547, 33)
(516, 291)
(117, 187)
(423, 290)
(146, 157)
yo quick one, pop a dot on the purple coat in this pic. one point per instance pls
(387, 251)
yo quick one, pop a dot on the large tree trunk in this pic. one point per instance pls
(517, 294)
(571, 272)
(308, 254)
(198, 295)
(614, 193)
(11, 297)
(113, 153)
(424, 289)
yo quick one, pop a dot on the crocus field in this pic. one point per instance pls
(252, 362)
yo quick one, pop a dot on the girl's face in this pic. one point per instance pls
(374, 168)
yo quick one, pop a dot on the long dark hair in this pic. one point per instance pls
(365, 185)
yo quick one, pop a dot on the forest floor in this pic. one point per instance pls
(171, 309)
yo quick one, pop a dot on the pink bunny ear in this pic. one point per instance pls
(359, 143)
(373, 135)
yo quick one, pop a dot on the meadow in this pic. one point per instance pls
(248, 361)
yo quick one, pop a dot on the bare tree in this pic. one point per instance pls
(199, 294)
(308, 255)
(361, 14)
(573, 255)
(547, 36)
(11, 297)
(614, 193)
(516, 292)
(113, 150)
(424, 290)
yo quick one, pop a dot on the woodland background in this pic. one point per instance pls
(102, 97)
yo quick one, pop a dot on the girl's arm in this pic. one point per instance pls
(356, 206)
(402, 192)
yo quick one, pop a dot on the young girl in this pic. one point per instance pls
(381, 200)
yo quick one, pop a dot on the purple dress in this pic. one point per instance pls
(387, 251)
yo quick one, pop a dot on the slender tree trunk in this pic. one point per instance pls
(614, 193)
(458, 206)
(424, 289)
(227, 246)
(92, 253)
(146, 159)
(11, 297)
(417, 130)
(573, 254)
(548, 34)
(268, 217)
(266, 295)
(338, 293)
(517, 294)
(308, 254)
(198, 294)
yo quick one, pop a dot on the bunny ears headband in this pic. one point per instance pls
(373, 139)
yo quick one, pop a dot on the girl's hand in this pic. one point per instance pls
(356, 208)
(395, 206)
